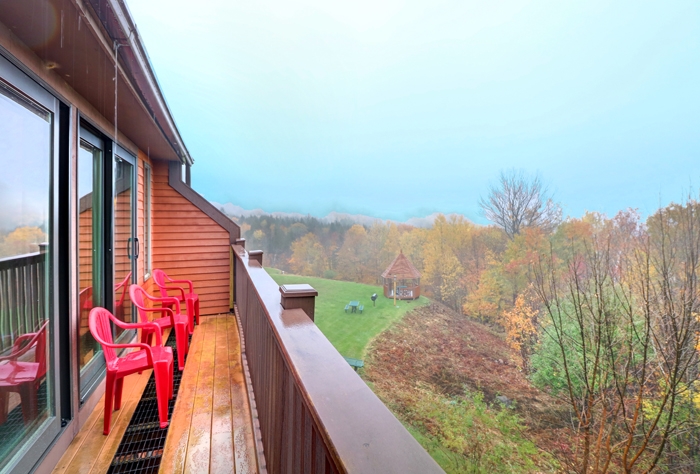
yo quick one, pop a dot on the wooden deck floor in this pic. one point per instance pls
(210, 429)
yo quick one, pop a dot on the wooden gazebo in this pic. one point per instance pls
(406, 276)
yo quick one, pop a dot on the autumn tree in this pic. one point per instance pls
(521, 325)
(22, 240)
(519, 201)
(412, 244)
(308, 256)
(618, 313)
(442, 271)
(352, 255)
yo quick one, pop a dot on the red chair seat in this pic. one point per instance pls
(137, 361)
(15, 373)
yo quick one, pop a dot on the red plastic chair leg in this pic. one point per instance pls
(118, 386)
(109, 398)
(3, 407)
(163, 383)
(190, 314)
(196, 309)
(181, 341)
(27, 394)
(171, 393)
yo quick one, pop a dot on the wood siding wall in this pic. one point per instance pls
(189, 244)
(141, 220)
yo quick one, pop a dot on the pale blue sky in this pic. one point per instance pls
(403, 108)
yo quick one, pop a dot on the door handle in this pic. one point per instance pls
(129, 245)
(137, 248)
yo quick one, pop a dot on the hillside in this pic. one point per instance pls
(431, 369)
(350, 333)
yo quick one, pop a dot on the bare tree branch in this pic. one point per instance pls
(517, 202)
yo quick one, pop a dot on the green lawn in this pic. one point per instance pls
(350, 333)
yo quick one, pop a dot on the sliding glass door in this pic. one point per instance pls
(108, 247)
(29, 396)
(91, 253)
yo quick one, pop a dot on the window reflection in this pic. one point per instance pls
(124, 244)
(89, 238)
(25, 368)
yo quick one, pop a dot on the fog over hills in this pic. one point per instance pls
(234, 210)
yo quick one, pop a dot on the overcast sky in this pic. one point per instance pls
(403, 108)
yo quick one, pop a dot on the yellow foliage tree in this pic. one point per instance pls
(308, 256)
(442, 271)
(351, 256)
(520, 323)
(22, 240)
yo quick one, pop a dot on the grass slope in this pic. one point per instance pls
(350, 333)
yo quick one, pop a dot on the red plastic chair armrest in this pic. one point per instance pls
(146, 347)
(189, 283)
(16, 350)
(169, 311)
(173, 288)
(169, 300)
(123, 325)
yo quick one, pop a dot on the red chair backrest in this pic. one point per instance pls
(122, 286)
(159, 277)
(101, 330)
(40, 351)
(37, 340)
(136, 293)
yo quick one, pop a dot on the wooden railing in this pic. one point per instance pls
(22, 296)
(315, 413)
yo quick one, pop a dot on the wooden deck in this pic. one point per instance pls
(210, 429)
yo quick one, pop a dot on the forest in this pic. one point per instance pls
(602, 311)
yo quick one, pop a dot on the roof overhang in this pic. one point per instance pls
(77, 39)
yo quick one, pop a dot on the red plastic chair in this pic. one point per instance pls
(158, 357)
(191, 299)
(173, 320)
(23, 377)
(119, 305)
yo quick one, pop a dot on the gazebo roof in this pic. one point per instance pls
(402, 268)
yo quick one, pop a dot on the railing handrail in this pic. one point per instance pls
(17, 260)
(360, 433)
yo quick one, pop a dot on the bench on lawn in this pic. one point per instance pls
(361, 308)
(354, 363)
(347, 307)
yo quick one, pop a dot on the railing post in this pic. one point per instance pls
(301, 296)
(240, 242)
(257, 256)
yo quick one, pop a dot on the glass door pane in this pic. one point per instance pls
(27, 387)
(90, 254)
(125, 245)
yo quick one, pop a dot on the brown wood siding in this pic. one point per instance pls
(84, 267)
(188, 244)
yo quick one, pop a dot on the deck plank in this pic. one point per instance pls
(175, 451)
(222, 459)
(199, 445)
(243, 438)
